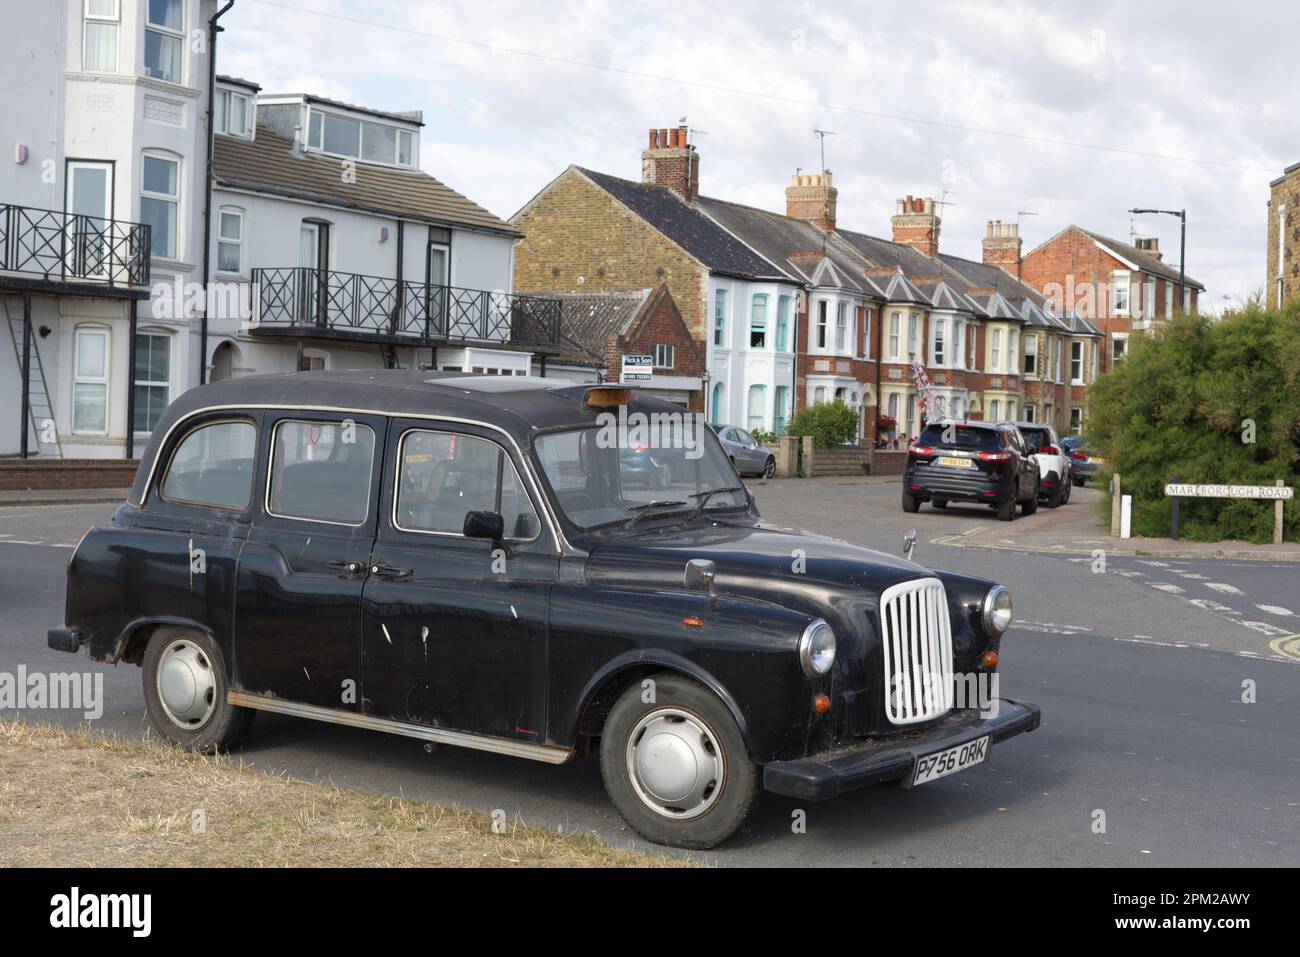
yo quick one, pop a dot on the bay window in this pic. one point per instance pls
(894, 320)
(755, 420)
(939, 325)
(995, 351)
(841, 326)
(164, 42)
(1031, 356)
(783, 305)
(822, 321)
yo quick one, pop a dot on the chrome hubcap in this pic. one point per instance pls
(675, 763)
(187, 688)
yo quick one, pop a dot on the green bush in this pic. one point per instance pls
(1181, 406)
(829, 423)
(764, 438)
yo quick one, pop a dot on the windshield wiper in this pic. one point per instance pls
(643, 510)
(709, 493)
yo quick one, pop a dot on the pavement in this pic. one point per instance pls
(1141, 669)
(17, 498)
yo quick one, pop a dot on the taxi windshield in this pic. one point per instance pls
(604, 477)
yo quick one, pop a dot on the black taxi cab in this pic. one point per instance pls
(460, 559)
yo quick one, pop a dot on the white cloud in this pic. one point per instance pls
(1161, 78)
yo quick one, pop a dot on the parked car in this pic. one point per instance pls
(1083, 464)
(745, 453)
(1054, 472)
(985, 462)
(458, 559)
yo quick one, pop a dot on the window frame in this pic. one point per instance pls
(937, 348)
(761, 390)
(105, 380)
(164, 31)
(1029, 351)
(720, 302)
(1076, 346)
(842, 327)
(221, 114)
(238, 213)
(137, 382)
(784, 304)
(397, 484)
(175, 200)
(823, 324)
(318, 146)
(758, 324)
(1122, 280)
(270, 467)
(157, 489)
(115, 20)
(895, 333)
(667, 350)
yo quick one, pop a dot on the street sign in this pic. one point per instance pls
(638, 368)
(1230, 491)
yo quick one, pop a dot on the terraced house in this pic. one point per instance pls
(1122, 288)
(793, 310)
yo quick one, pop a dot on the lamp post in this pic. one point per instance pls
(1182, 244)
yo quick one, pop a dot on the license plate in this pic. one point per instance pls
(953, 463)
(1096, 461)
(931, 767)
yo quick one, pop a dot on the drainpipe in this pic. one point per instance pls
(213, 30)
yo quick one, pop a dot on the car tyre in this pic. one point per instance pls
(1030, 505)
(940, 503)
(185, 684)
(1066, 489)
(769, 468)
(1007, 510)
(911, 503)
(652, 754)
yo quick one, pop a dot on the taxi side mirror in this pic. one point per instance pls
(488, 525)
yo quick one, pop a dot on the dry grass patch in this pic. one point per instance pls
(77, 799)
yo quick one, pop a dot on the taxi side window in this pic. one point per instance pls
(213, 467)
(321, 471)
(443, 476)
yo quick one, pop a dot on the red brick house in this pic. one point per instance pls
(1120, 287)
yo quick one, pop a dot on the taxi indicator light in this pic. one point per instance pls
(821, 704)
(990, 661)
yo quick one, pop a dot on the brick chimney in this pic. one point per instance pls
(671, 161)
(1149, 245)
(811, 197)
(916, 224)
(1002, 246)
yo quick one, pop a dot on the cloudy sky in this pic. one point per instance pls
(1072, 112)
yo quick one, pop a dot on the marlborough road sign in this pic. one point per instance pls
(1230, 491)
(1277, 494)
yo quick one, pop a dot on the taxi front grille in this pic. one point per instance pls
(917, 651)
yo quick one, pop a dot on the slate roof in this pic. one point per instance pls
(1143, 260)
(688, 227)
(267, 165)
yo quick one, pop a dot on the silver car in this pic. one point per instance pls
(745, 453)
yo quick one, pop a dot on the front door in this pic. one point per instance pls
(313, 276)
(454, 628)
(298, 603)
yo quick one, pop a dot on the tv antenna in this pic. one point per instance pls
(1020, 217)
(821, 135)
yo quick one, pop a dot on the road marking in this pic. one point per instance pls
(1224, 589)
(1193, 576)
(1210, 605)
(1276, 610)
(1288, 645)
(1167, 587)
(1052, 628)
(19, 541)
(1129, 573)
(1155, 564)
(1264, 628)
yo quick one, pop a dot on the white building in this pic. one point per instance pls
(102, 193)
(327, 246)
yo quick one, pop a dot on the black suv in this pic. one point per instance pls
(972, 462)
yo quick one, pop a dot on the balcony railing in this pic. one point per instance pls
(304, 299)
(68, 247)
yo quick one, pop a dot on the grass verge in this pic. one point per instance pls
(79, 799)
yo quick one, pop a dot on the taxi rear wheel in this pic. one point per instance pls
(185, 684)
(675, 764)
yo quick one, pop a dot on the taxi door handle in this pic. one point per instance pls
(350, 569)
(390, 572)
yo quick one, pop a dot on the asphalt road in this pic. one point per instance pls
(1141, 689)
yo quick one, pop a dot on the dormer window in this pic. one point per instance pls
(363, 140)
(233, 113)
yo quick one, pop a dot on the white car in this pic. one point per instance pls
(1054, 468)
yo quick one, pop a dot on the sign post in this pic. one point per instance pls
(1277, 493)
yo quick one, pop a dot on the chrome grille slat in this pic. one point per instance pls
(917, 651)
